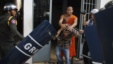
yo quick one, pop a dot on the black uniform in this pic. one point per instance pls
(8, 32)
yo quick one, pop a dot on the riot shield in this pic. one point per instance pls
(94, 44)
(30, 44)
(104, 25)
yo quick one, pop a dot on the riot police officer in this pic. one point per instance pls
(8, 29)
(90, 22)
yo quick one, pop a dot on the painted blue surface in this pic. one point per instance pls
(31, 44)
(94, 44)
(104, 25)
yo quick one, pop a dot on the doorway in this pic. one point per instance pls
(59, 8)
(41, 12)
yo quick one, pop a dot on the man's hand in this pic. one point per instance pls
(84, 15)
(63, 26)
(81, 31)
(70, 28)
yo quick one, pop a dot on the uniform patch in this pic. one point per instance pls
(13, 21)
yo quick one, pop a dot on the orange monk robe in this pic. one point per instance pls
(73, 42)
(72, 48)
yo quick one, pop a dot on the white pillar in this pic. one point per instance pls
(50, 11)
(101, 3)
(28, 19)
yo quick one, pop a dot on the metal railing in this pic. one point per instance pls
(86, 5)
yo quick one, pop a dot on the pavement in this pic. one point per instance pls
(53, 62)
(53, 59)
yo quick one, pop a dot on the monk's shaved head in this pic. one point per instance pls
(70, 7)
(69, 10)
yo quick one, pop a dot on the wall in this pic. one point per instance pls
(101, 3)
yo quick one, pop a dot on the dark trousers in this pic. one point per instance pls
(4, 48)
(85, 52)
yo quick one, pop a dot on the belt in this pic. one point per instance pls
(65, 46)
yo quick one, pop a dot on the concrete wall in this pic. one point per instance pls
(101, 3)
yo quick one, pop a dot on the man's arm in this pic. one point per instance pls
(77, 33)
(84, 20)
(63, 26)
(85, 23)
(13, 27)
(61, 20)
(58, 32)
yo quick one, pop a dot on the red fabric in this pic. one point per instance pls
(72, 48)
(71, 19)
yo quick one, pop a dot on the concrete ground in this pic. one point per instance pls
(53, 59)
(74, 62)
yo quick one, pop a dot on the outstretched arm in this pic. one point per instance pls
(58, 33)
(85, 23)
(63, 26)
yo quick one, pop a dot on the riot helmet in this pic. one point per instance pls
(93, 11)
(10, 6)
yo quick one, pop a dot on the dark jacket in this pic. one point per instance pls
(8, 29)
